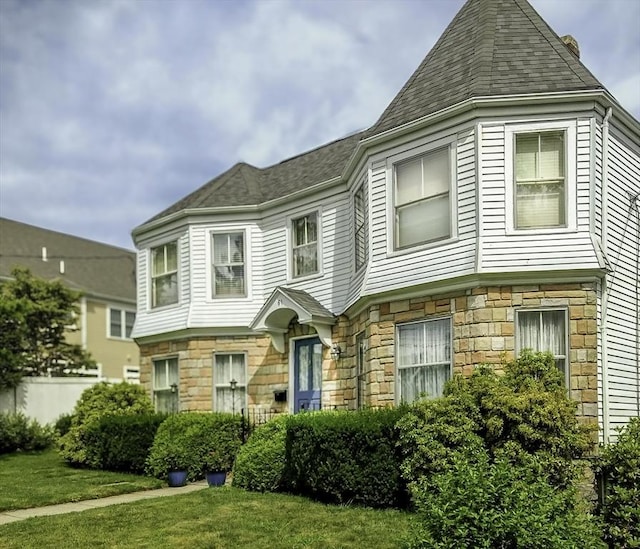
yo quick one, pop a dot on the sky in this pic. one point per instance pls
(112, 110)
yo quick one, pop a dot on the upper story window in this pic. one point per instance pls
(229, 265)
(544, 331)
(164, 274)
(540, 191)
(360, 228)
(423, 358)
(422, 199)
(305, 245)
(121, 323)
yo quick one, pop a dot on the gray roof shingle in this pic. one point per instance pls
(92, 267)
(490, 48)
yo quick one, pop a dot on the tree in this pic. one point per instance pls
(34, 316)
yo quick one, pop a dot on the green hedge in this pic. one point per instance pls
(17, 432)
(121, 442)
(260, 462)
(345, 457)
(619, 473)
(195, 442)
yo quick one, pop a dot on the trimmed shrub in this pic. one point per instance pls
(619, 475)
(260, 462)
(17, 432)
(480, 503)
(63, 424)
(195, 442)
(525, 412)
(345, 457)
(121, 442)
(99, 400)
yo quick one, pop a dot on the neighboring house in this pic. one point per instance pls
(104, 274)
(492, 207)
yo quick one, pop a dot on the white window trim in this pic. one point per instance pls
(397, 396)
(155, 389)
(150, 276)
(247, 264)
(214, 386)
(123, 318)
(289, 235)
(518, 349)
(362, 186)
(392, 161)
(569, 127)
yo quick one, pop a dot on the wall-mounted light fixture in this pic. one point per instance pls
(336, 351)
(174, 387)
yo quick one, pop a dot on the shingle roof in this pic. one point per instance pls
(491, 47)
(92, 267)
(306, 301)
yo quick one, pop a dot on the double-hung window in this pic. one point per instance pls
(360, 228)
(229, 265)
(121, 323)
(164, 275)
(540, 180)
(305, 245)
(544, 331)
(422, 199)
(166, 385)
(423, 357)
(229, 382)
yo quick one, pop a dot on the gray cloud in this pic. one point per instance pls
(110, 111)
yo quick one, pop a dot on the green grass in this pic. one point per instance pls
(37, 479)
(217, 518)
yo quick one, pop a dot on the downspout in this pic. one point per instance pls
(605, 292)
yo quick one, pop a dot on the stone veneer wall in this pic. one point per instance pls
(483, 322)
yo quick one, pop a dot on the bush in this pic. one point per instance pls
(480, 503)
(525, 412)
(260, 462)
(63, 424)
(195, 442)
(17, 432)
(345, 457)
(121, 442)
(618, 468)
(99, 400)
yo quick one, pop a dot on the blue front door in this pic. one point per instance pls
(307, 368)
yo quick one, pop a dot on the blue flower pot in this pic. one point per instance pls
(216, 479)
(177, 478)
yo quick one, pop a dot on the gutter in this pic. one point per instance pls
(606, 431)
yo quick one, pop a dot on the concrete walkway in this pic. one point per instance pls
(20, 514)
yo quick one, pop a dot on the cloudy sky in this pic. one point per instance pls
(111, 110)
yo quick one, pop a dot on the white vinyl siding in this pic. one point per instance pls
(164, 275)
(229, 382)
(304, 245)
(166, 385)
(228, 265)
(121, 323)
(423, 358)
(540, 180)
(422, 199)
(544, 331)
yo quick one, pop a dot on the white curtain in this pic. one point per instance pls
(230, 367)
(544, 331)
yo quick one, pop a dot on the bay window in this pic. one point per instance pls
(305, 245)
(164, 275)
(229, 382)
(229, 265)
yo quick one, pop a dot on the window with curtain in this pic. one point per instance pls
(164, 275)
(422, 199)
(544, 331)
(228, 396)
(166, 385)
(121, 323)
(540, 180)
(423, 358)
(360, 228)
(228, 265)
(361, 370)
(305, 245)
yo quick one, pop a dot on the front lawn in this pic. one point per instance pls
(43, 478)
(216, 518)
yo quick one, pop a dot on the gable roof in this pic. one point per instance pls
(490, 48)
(92, 267)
